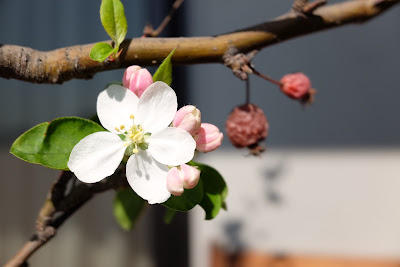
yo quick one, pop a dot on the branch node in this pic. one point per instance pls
(239, 63)
(306, 8)
(148, 31)
(298, 5)
(46, 234)
(311, 7)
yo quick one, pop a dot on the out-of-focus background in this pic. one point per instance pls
(326, 189)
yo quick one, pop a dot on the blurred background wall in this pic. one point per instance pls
(326, 185)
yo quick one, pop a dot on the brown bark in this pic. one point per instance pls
(63, 64)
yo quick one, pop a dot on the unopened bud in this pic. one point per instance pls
(208, 138)
(191, 176)
(296, 85)
(137, 79)
(174, 182)
(183, 177)
(246, 126)
(128, 73)
(188, 118)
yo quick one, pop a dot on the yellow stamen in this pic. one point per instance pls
(137, 137)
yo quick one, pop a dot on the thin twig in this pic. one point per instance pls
(247, 91)
(265, 77)
(150, 32)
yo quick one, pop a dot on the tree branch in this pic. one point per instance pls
(68, 63)
(65, 197)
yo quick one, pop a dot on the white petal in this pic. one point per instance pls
(114, 107)
(147, 177)
(96, 156)
(172, 146)
(157, 107)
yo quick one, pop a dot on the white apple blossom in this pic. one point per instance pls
(138, 128)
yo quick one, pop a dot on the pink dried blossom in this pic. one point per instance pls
(296, 85)
(246, 126)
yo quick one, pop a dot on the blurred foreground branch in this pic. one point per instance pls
(66, 196)
(73, 62)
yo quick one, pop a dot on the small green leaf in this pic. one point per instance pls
(215, 190)
(127, 208)
(164, 71)
(50, 143)
(101, 51)
(189, 199)
(113, 18)
(169, 215)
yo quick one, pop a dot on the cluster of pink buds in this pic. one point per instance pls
(207, 136)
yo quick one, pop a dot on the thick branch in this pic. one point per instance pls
(65, 197)
(63, 64)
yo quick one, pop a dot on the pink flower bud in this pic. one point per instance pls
(184, 177)
(296, 85)
(174, 182)
(208, 138)
(137, 79)
(128, 73)
(191, 176)
(188, 118)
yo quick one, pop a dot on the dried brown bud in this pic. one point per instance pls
(246, 126)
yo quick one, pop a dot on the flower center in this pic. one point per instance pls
(134, 136)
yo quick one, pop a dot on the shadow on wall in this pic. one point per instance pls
(272, 176)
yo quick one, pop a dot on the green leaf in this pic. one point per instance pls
(164, 71)
(215, 190)
(113, 18)
(187, 201)
(101, 51)
(50, 143)
(127, 208)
